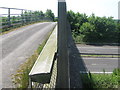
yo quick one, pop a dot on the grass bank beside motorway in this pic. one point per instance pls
(101, 81)
(21, 78)
(102, 56)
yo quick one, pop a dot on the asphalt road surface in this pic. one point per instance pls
(17, 46)
(97, 65)
(97, 49)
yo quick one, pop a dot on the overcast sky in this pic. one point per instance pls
(98, 7)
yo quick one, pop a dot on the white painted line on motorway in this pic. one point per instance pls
(94, 64)
(97, 64)
(96, 72)
(90, 50)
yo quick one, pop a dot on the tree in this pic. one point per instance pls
(93, 28)
(76, 20)
(49, 14)
(41, 14)
(105, 28)
(88, 30)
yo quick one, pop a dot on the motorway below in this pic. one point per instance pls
(17, 46)
(105, 49)
(98, 64)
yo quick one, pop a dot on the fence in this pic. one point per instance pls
(119, 10)
(15, 16)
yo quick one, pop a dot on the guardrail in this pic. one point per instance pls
(19, 17)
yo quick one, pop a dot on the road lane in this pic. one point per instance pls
(98, 64)
(11, 42)
(97, 49)
(18, 45)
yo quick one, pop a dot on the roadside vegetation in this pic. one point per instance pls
(93, 29)
(21, 78)
(101, 81)
(102, 56)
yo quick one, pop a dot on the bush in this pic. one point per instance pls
(93, 28)
(88, 30)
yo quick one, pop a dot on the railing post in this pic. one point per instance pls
(9, 23)
(30, 16)
(63, 59)
(22, 18)
(119, 10)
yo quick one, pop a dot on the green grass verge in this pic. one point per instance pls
(79, 39)
(113, 56)
(21, 78)
(101, 81)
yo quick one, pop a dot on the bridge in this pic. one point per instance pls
(59, 64)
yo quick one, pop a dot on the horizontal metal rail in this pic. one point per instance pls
(10, 14)
(23, 17)
(14, 8)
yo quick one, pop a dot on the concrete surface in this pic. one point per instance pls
(41, 71)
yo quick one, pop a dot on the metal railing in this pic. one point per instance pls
(16, 16)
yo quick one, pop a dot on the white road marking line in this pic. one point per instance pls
(90, 50)
(94, 64)
(97, 64)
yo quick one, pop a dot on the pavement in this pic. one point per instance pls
(17, 46)
(98, 64)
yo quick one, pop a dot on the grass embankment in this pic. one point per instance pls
(79, 40)
(102, 56)
(101, 81)
(21, 78)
